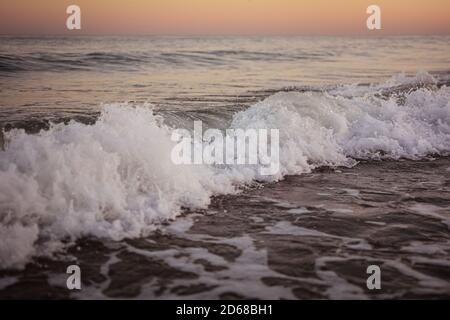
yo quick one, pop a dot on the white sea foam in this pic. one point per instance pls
(114, 179)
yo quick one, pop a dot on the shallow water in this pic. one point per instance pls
(309, 236)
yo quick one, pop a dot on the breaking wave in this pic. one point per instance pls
(115, 178)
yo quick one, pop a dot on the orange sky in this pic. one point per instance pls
(231, 17)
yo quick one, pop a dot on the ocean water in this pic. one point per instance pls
(86, 175)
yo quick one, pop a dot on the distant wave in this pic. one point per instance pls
(114, 178)
(104, 61)
(66, 61)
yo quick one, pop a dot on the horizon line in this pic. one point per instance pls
(366, 34)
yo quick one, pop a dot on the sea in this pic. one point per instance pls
(86, 176)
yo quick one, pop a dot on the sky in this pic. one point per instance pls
(225, 17)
